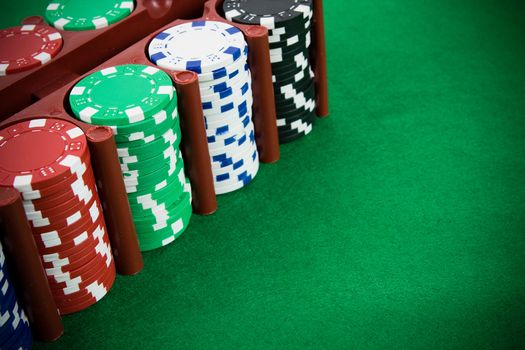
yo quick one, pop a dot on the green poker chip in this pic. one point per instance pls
(159, 121)
(143, 200)
(155, 162)
(139, 104)
(168, 196)
(78, 15)
(153, 181)
(170, 138)
(140, 139)
(163, 217)
(121, 95)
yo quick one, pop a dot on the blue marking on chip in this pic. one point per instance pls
(162, 36)
(219, 157)
(220, 87)
(157, 56)
(229, 140)
(226, 93)
(222, 177)
(234, 51)
(219, 73)
(233, 30)
(245, 88)
(234, 74)
(226, 162)
(222, 130)
(238, 164)
(227, 107)
(194, 66)
(246, 121)
(242, 140)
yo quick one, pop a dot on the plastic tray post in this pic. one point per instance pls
(264, 116)
(112, 192)
(318, 54)
(194, 141)
(29, 276)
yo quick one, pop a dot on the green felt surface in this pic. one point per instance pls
(399, 223)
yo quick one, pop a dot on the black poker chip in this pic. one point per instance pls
(289, 24)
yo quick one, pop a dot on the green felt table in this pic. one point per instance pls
(399, 223)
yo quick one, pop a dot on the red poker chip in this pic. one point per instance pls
(54, 149)
(57, 189)
(28, 46)
(59, 199)
(70, 244)
(66, 209)
(78, 258)
(45, 247)
(89, 272)
(78, 242)
(88, 300)
(98, 277)
(86, 274)
(64, 218)
(69, 235)
(62, 226)
(74, 264)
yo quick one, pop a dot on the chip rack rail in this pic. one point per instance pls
(84, 50)
(194, 144)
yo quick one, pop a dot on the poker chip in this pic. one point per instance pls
(27, 47)
(86, 15)
(289, 24)
(285, 14)
(139, 104)
(62, 207)
(198, 46)
(14, 325)
(218, 53)
(99, 98)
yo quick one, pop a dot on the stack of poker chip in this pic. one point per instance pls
(289, 24)
(48, 162)
(15, 333)
(87, 15)
(139, 103)
(217, 52)
(27, 47)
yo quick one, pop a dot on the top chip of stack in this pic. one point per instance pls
(217, 52)
(86, 15)
(289, 23)
(139, 103)
(27, 47)
(48, 162)
(14, 326)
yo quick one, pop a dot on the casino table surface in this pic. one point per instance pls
(399, 223)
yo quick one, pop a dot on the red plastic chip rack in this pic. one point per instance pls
(101, 143)
(84, 50)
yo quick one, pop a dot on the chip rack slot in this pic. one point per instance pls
(21, 251)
